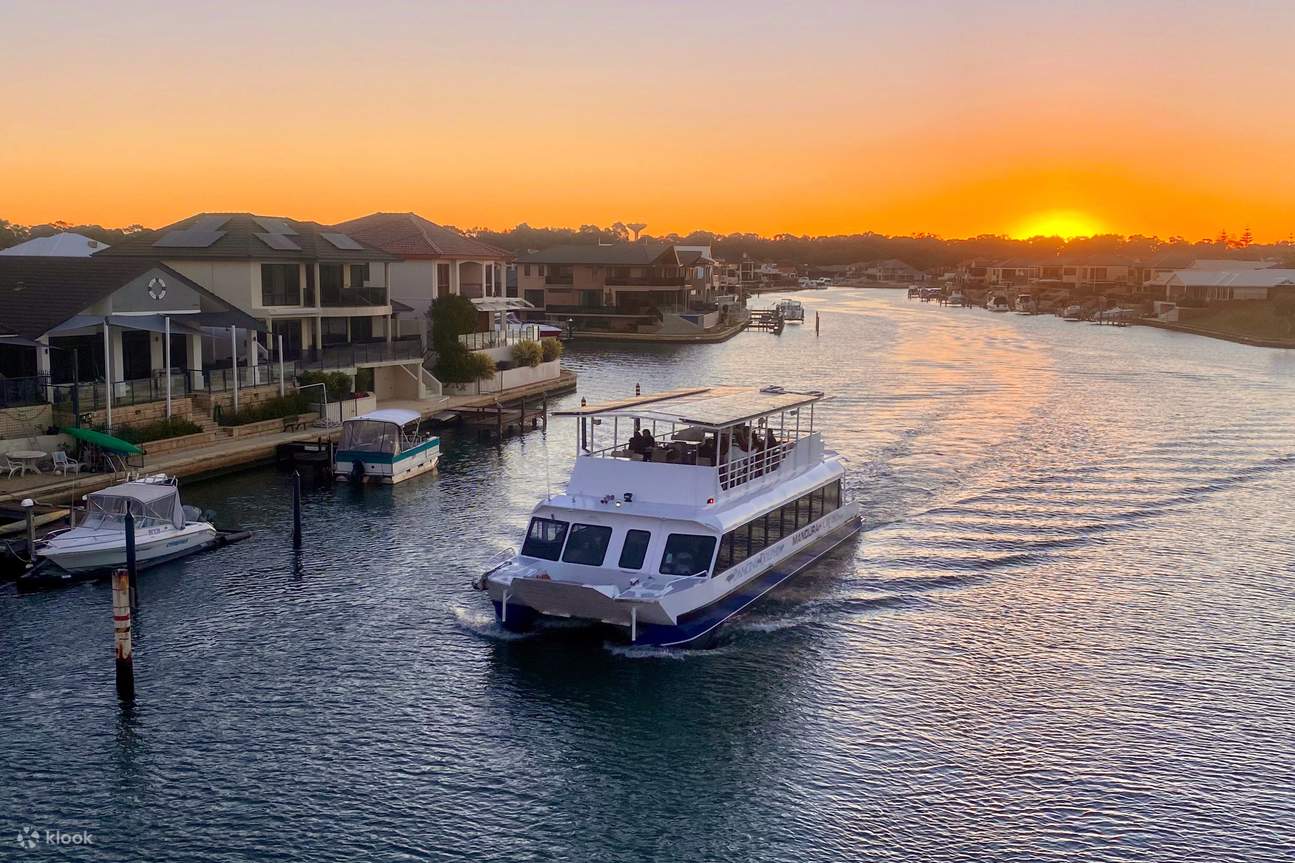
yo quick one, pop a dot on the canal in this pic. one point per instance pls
(1066, 633)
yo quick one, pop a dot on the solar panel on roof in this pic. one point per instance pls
(342, 241)
(190, 238)
(208, 223)
(276, 226)
(279, 241)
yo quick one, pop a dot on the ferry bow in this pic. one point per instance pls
(683, 509)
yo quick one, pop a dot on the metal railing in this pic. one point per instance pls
(22, 392)
(500, 338)
(357, 353)
(349, 297)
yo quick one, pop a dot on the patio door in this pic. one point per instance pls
(136, 357)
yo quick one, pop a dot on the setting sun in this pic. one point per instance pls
(1066, 224)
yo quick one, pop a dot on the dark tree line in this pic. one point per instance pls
(12, 234)
(924, 251)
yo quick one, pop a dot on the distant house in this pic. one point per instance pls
(320, 291)
(433, 261)
(102, 322)
(635, 282)
(1216, 285)
(890, 270)
(64, 245)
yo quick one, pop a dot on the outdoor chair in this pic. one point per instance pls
(63, 464)
(12, 466)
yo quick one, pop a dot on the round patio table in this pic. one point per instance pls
(29, 458)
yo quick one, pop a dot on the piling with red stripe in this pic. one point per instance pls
(121, 634)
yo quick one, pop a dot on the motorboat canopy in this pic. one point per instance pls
(149, 502)
(378, 431)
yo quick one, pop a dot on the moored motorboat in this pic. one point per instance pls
(164, 528)
(1073, 313)
(792, 311)
(385, 446)
(695, 505)
(997, 303)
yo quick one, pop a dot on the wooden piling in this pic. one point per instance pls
(121, 635)
(29, 507)
(499, 423)
(296, 509)
(816, 317)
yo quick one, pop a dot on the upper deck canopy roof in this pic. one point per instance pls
(709, 407)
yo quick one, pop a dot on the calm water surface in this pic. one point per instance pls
(1067, 633)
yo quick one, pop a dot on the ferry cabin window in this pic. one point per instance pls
(544, 538)
(635, 549)
(687, 554)
(759, 533)
(587, 544)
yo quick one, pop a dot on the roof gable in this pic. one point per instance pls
(409, 235)
(243, 236)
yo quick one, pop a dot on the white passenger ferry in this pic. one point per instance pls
(385, 446)
(683, 508)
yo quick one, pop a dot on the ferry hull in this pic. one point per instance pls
(694, 628)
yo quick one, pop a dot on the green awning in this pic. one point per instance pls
(103, 441)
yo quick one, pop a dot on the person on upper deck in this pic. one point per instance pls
(638, 444)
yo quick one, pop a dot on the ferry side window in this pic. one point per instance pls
(758, 536)
(788, 513)
(773, 525)
(544, 538)
(687, 554)
(832, 496)
(725, 560)
(741, 543)
(820, 498)
(587, 545)
(635, 549)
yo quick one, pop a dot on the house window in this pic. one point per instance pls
(359, 275)
(280, 285)
(330, 283)
(362, 329)
(535, 298)
(526, 269)
(334, 331)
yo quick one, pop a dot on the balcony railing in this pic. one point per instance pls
(649, 281)
(500, 338)
(353, 298)
(357, 353)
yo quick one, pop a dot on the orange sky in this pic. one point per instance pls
(806, 118)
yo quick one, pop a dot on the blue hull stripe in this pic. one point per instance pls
(702, 621)
(384, 457)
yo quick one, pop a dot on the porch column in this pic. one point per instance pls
(436, 275)
(455, 280)
(486, 289)
(254, 358)
(43, 368)
(195, 361)
(107, 373)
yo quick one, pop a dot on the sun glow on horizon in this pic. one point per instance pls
(1066, 224)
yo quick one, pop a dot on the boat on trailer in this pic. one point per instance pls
(683, 508)
(385, 446)
(165, 529)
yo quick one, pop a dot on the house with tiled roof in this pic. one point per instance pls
(627, 286)
(432, 261)
(321, 292)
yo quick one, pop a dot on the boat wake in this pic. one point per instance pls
(483, 625)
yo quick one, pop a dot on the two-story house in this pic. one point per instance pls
(322, 294)
(618, 286)
(431, 261)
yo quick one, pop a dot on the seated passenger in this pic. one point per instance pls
(638, 443)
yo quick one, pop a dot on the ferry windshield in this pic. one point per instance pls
(687, 554)
(587, 545)
(544, 538)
